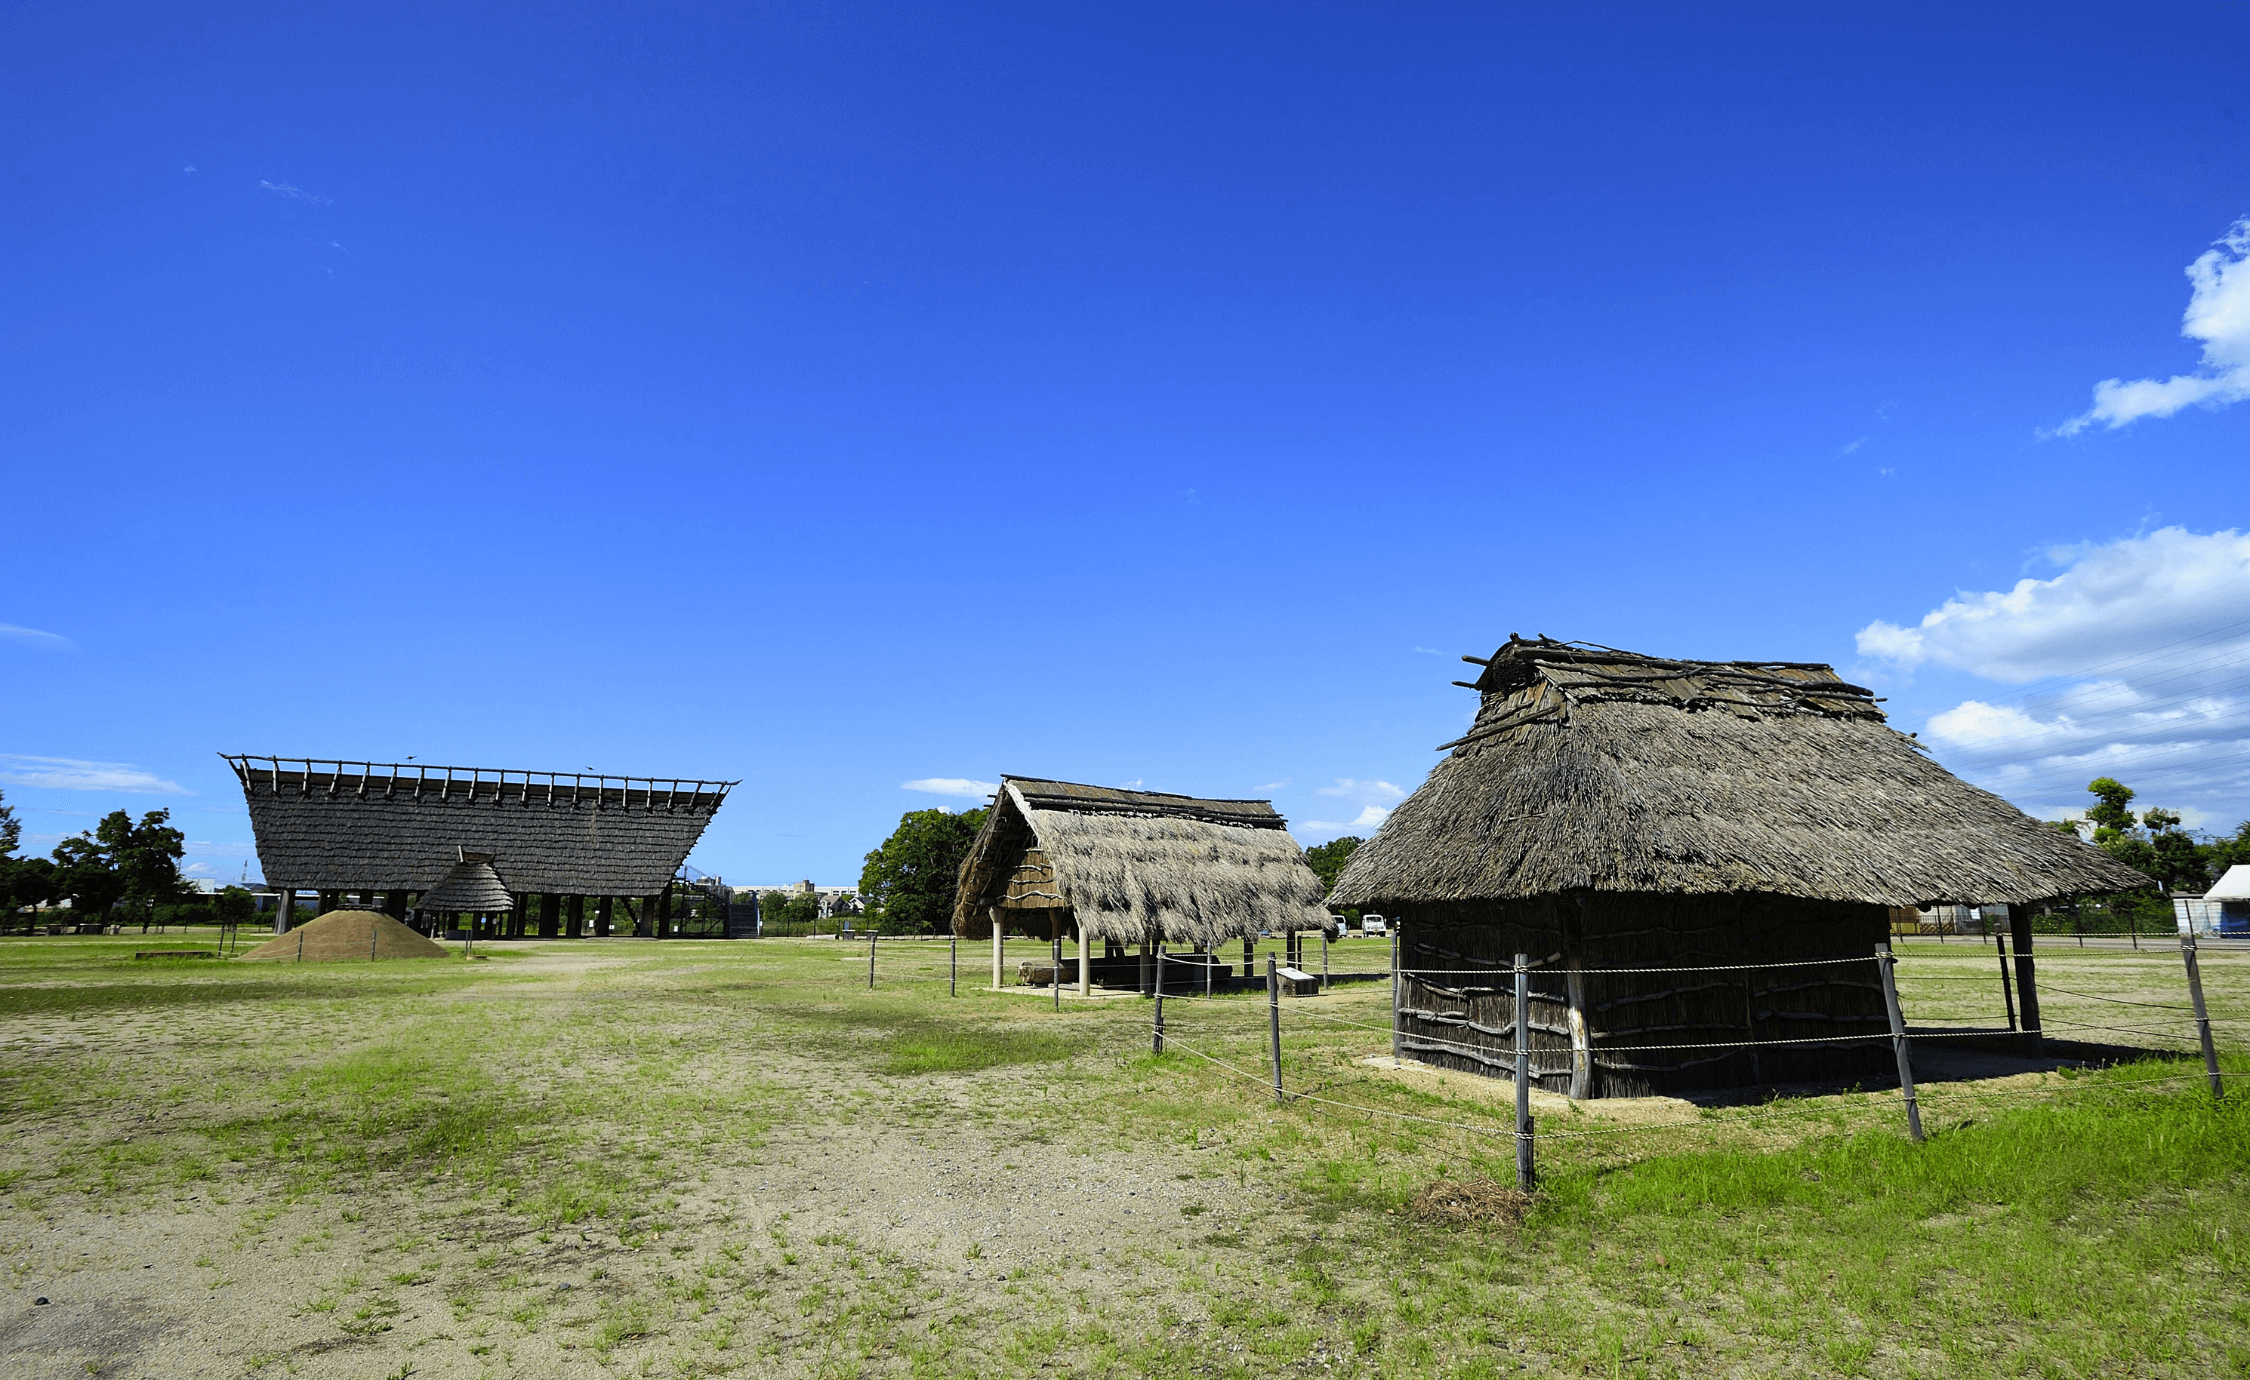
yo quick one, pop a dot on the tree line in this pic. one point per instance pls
(120, 871)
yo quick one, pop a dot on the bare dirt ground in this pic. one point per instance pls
(620, 1158)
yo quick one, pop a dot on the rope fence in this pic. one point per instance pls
(1196, 977)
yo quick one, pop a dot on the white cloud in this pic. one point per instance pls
(33, 637)
(2218, 314)
(1370, 819)
(1852, 447)
(283, 189)
(70, 774)
(952, 785)
(1348, 789)
(2135, 663)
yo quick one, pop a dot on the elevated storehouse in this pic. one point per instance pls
(1610, 811)
(389, 833)
(1094, 863)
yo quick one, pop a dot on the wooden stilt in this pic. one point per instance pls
(1085, 962)
(285, 918)
(999, 928)
(2027, 989)
(604, 910)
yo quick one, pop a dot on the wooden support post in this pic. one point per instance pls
(1398, 1048)
(1885, 961)
(1157, 1042)
(1526, 1168)
(1581, 1048)
(1249, 960)
(953, 966)
(1273, 1023)
(550, 915)
(394, 904)
(605, 912)
(2007, 984)
(664, 912)
(1323, 958)
(575, 926)
(1085, 960)
(331, 900)
(2202, 1016)
(285, 917)
(1144, 965)
(2027, 986)
(871, 960)
(999, 943)
(1054, 958)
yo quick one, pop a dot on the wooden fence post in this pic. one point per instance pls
(1157, 1045)
(1054, 969)
(2202, 1016)
(953, 968)
(1884, 962)
(871, 960)
(1398, 1046)
(1527, 1176)
(1273, 1023)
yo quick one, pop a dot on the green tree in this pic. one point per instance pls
(234, 906)
(2110, 818)
(1328, 859)
(11, 832)
(908, 884)
(27, 882)
(122, 861)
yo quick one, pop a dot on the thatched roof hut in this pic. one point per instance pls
(471, 888)
(1135, 867)
(1609, 808)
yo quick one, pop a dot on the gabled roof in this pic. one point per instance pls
(1590, 768)
(2235, 886)
(398, 826)
(1139, 865)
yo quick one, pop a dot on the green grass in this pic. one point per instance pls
(463, 1124)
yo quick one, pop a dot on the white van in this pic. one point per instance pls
(1373, 925)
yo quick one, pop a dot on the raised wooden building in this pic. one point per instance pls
(390, 832)
(1096, 863)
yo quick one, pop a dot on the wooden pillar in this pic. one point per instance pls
(1581, 1047)
(330, 900)
(575, 926)
(1249, 958)
(550, 915)
(285, 918)
(1144, 967)
(999, 926)
(1085, 961)
(2027, 991)
(394, 904)
(604, 912)
(664, 912)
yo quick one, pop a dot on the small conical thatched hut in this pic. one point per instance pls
(346, 936)
(1131, 867)
(1610, 810)
(472, 888)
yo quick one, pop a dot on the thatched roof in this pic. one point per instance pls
(1138, 865)
(472, 886)
(372, 826)
(1594, 769)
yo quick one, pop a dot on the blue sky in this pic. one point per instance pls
(841, 397)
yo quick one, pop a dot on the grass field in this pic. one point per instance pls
(693, 1158)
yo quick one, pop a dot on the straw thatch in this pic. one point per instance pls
(1137, 866)
(1654, 836)
(371, 826)
(1594, 769)
(346, 936)
(472, 887)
